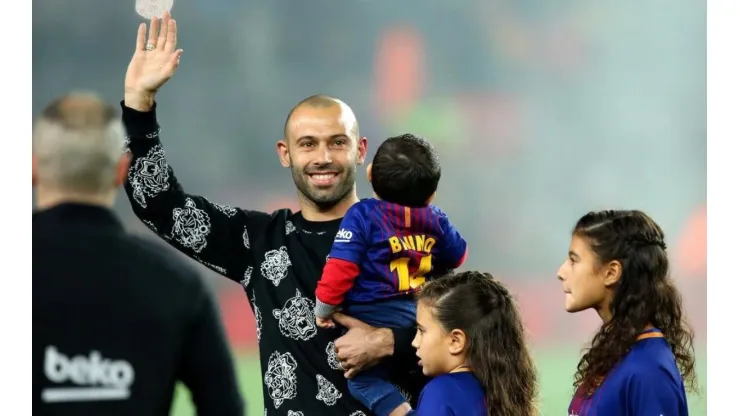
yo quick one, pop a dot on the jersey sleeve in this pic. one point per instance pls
(336, 280)
(343, 264)
(651, 392)
(454, 249)
(350, 243)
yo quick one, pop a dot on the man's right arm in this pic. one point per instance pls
(213, 234)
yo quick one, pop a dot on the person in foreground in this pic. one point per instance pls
(470, 338)
(643, 353)
(386, 248)
(277, 258)
(116, 321)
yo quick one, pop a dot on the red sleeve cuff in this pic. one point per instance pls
(336, 280)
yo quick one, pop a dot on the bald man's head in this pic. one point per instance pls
(325, 102)
(78, 145)
(322, 147)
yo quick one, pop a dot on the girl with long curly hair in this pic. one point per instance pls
(470, 338)
(641, 360)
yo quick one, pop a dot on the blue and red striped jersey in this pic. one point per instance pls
(395, 249)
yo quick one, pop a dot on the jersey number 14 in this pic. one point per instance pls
(408, 280)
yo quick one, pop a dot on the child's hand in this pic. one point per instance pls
(325, 322)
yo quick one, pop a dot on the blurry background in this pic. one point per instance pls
(542, 110)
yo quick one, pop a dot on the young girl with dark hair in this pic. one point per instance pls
(643, 354)
(470, 338)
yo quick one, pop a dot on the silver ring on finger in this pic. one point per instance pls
(341, 367)
(151, 46)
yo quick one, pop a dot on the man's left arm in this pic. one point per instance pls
(206, 362)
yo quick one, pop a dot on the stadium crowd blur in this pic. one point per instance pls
(541, 110)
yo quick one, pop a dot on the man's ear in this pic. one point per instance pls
(283, 154)
(124, 163)
(361, 150)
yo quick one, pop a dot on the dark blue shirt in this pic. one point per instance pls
(646, 383)
(452, 394)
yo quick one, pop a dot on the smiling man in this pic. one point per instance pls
(278, 258)
(323, 173)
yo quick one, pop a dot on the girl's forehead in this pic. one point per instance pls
(580, 246)
(424, 312)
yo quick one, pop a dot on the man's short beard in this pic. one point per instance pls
(327, 204)
(324, 201)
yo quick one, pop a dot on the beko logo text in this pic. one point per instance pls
(343, 236)
(95, 378)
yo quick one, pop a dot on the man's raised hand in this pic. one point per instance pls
(154, 62)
